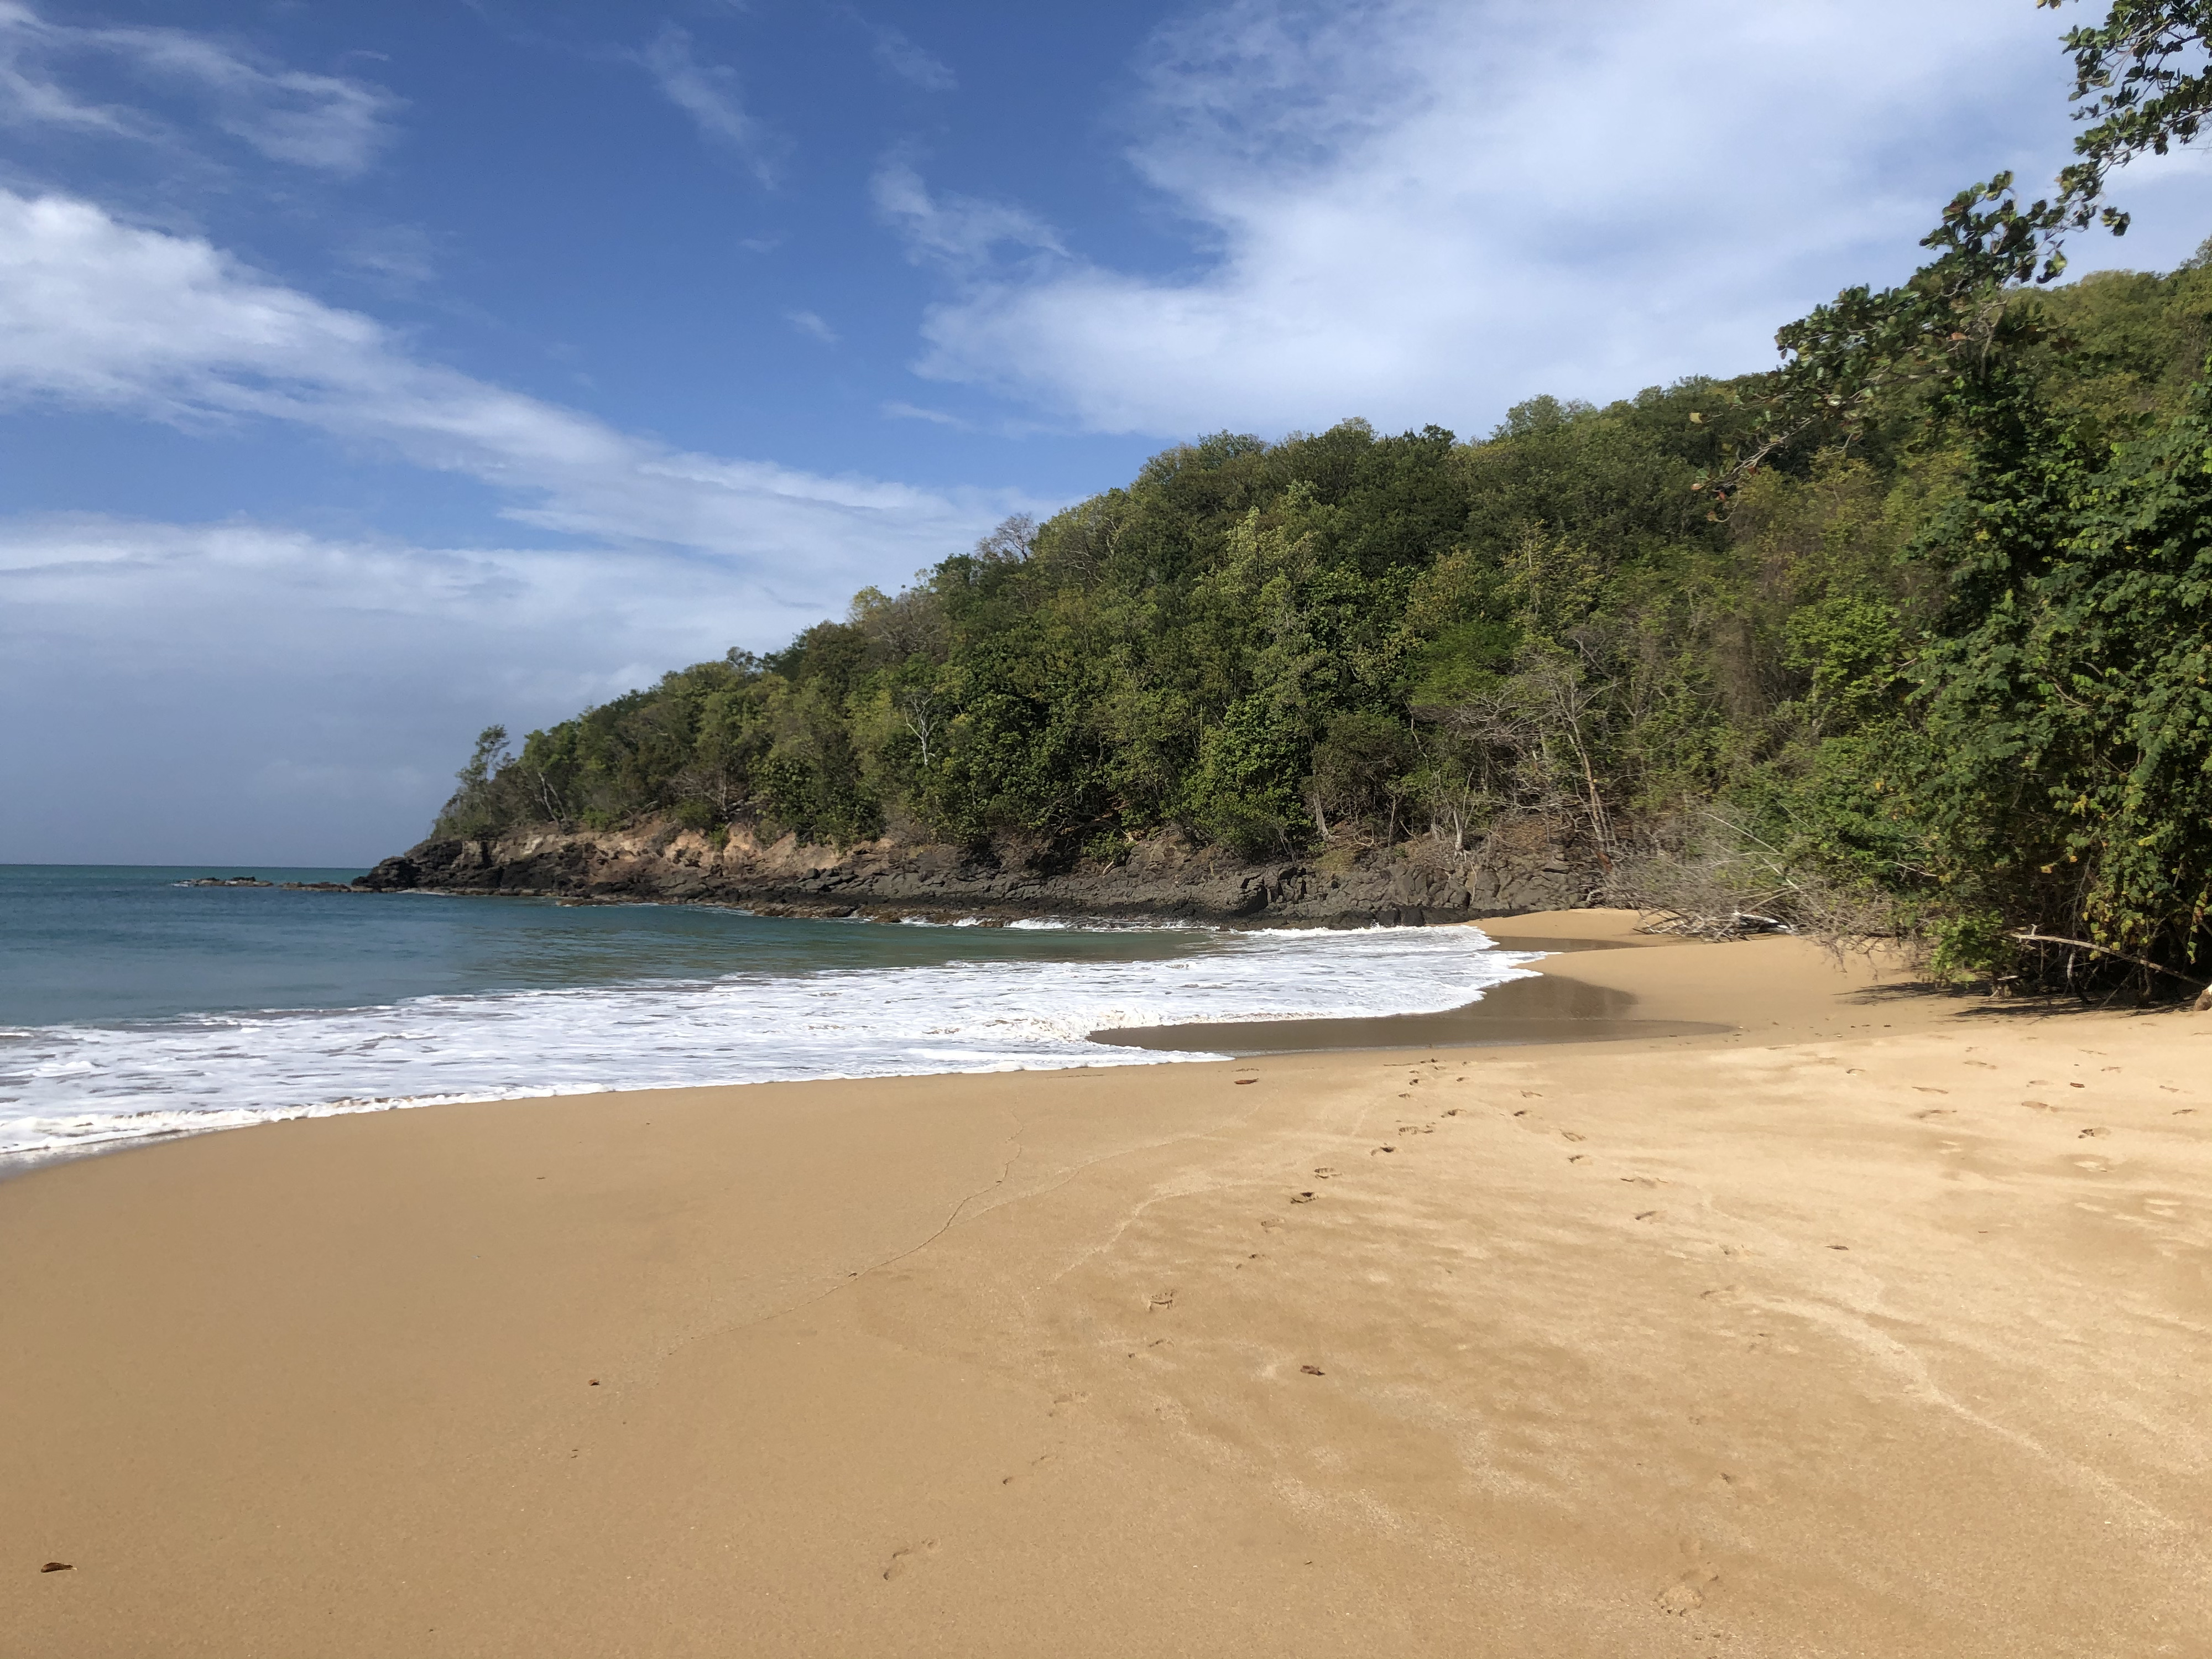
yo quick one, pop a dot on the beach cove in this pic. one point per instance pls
(1871, 1322)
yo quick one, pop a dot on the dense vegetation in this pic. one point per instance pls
(1914, 632)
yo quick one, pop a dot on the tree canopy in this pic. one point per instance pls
(1922, 618)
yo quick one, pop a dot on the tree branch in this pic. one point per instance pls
(2033, 938)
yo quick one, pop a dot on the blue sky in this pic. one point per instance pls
(371, 374)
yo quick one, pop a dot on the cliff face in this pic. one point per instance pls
(1408, 885)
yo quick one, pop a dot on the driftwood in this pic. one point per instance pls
(1698, 924)
(2033, 938)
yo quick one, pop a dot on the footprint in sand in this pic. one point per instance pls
(1036, 1465)
(1935, 1111)
(1382, 1149)
(1984, 1064)
(2038, 1105)
(1326, 1172)
(1163, 1299)
(1569, 1134)
(2092, 1133)
(1302, 1198)
(1923, 1088)
(1685, 1595)
(902, 1559)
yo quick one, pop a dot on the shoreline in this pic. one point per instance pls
(1473, 1022)
(1553, 1004)
(1879, 1313)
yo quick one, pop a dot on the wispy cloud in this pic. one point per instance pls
(961, 232)
(900, 57)
(402, 256)
(326, 122)
(222, 663)
(904, 411)
(811, 326)
(709, 94)
(1427, 209)
(98, 314)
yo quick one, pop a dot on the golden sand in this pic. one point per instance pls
(1880, 1325)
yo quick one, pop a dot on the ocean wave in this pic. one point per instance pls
(65, 1087)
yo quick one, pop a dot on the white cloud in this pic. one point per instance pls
(708, 94)
(244, 692)
(1427, 209)
(100, 314)
(901, 57)
(237, 690)
(322, 121)
(811, 326)
(961, 233)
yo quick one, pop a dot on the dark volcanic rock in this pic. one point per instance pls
(393, 875)
(1408, 885)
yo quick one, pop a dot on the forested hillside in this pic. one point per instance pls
(1911, 633)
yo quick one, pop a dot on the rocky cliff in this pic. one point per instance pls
(1416, 883)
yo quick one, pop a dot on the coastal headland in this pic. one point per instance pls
(660, 860)
(1809, 1313)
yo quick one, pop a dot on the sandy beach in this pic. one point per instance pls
(1808, 1314)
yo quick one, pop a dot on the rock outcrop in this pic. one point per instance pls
(1407, 885)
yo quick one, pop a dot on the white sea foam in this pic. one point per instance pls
(64, 1087)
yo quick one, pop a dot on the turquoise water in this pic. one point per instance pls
(131, 1006)
(97, 942)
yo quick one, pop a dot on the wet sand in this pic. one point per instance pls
(1875, 1324)
(1547, 1009)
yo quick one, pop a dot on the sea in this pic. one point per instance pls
(134, 1004)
